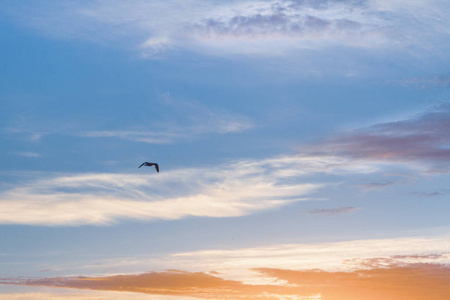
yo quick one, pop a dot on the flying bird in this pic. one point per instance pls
(149, 165)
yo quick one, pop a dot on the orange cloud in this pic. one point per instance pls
(409, 282)
(395, 282)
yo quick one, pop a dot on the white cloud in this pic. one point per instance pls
(335, 256)
(287, 25)
(105, 198)
(239, 264)
(232, 190)
(264, 27)
(28, 154)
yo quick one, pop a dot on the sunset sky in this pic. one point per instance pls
(303, 146)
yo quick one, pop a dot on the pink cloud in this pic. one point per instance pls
(425, 138)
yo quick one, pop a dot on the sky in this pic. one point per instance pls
(303, 147)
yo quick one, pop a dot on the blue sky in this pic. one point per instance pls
(283, 127)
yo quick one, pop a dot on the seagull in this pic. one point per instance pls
(149, 165)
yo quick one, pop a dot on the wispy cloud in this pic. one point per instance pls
(236, 189)
(337, 256)
(28, 154)
(145, 136)
(231, 190)
(26, 132)
(189, 120)
(239, 264)
(376, 184)
(398, 260)
(225, 191)
(333, 211)
(178, 121)
(437, 193)
(426, 82)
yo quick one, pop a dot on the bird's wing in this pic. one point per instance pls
(157, 167)
(141, 165)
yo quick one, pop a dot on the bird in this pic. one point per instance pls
(149, 165)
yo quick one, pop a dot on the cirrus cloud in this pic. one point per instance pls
(105, 198)
(237, 189)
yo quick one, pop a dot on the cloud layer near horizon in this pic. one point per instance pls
(392, 269)
(391, 282)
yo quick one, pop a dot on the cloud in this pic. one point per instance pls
(23, 128)
(376, 185)
(397, 260)
(293, 23)
(144, 136)
(235, 190)
(188, 120)
(408, 282)
(343, 256)
(383, 268)
(429, 82)
(441, 192)
(424, 138)
(28, 154)
(230, 190)
(173, 121)
(264, 27)
(239, 264)
(333, 211)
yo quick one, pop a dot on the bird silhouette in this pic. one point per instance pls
(149, 165)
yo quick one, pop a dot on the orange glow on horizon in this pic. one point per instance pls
(397, 282)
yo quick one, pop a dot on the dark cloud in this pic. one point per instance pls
(333, 211)
(431, 194)
(278, 24)
(323, 4)
(419, 256)
(285, 19)
(395, 260)
(376, 185)
(425, 137)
